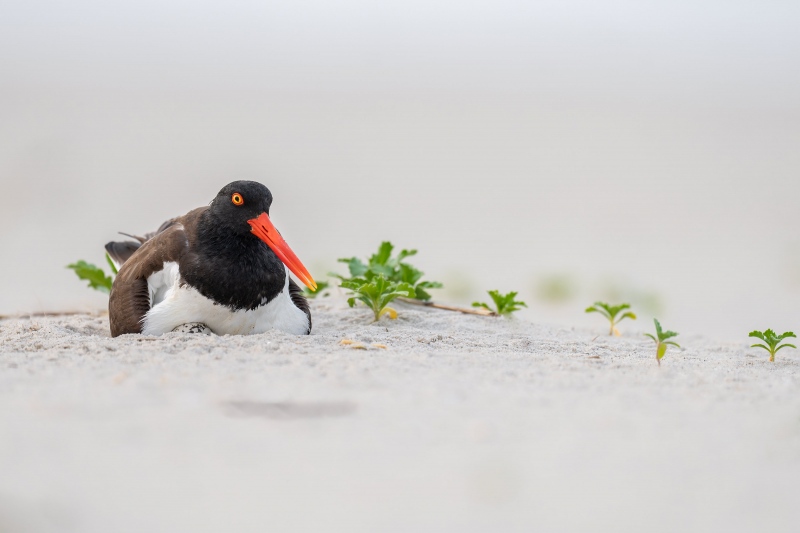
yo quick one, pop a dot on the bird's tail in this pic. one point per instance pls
(121, 251)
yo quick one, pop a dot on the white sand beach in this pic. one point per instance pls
(461, 423)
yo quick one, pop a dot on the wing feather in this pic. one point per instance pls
(299, 301)
(129, 300)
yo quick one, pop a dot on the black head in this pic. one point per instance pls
(238, 202)
(241, 209)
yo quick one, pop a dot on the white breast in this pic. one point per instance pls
(172, 305)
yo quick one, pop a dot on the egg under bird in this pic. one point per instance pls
(220, 268)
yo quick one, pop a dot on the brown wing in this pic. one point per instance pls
(129, 300)
(299, 301)
(121, 251)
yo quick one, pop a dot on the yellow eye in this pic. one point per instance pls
(237, 199)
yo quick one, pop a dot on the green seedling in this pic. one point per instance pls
(505, 304)
(95, 275)
(377, 293)
(322, 286)
(661, 341)
(611, 312)
(394, 269)
(773, 341)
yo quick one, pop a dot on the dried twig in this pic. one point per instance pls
(466, 310)
(52, 313)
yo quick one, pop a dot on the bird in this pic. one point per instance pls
(221, 269)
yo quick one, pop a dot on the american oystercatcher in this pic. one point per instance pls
(221, 268)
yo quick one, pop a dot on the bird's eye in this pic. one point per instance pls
(237, 199)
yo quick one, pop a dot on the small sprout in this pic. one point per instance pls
(773, 341)
(322, 286)
(95, 275)
(504, 304)
(661, 341)
(384, 278)
(377, 293)
(611, 312)
(394, 269)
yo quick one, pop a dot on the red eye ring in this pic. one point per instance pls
(237, 199)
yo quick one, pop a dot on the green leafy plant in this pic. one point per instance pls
(377, 293)
(95, 275)
(322, 286)
(661, 341)
(394, 269)
(505, 304)
(611, 312)
(773, 341)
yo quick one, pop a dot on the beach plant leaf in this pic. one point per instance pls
(376, 293)
(420, 289)
(355, 266)
(111, 264)
(95, 275)
(393, 269)
(504, 304)
(322, 286)
(661, 349)
(611, 313)
(772, 340)
(384, 253)
(660, 339)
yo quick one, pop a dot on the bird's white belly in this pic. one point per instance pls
(173, 305)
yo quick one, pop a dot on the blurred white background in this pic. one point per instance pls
(647, 151)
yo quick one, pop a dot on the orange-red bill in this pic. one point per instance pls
(263, 229)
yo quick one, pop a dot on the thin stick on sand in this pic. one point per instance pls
(466, 310)
(50, 313)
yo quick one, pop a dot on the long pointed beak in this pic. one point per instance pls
(263, 229)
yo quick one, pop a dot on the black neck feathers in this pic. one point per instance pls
(234, 269)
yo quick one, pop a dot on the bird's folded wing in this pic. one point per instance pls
(129, 300)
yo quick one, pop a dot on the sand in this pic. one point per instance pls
(460, 423)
